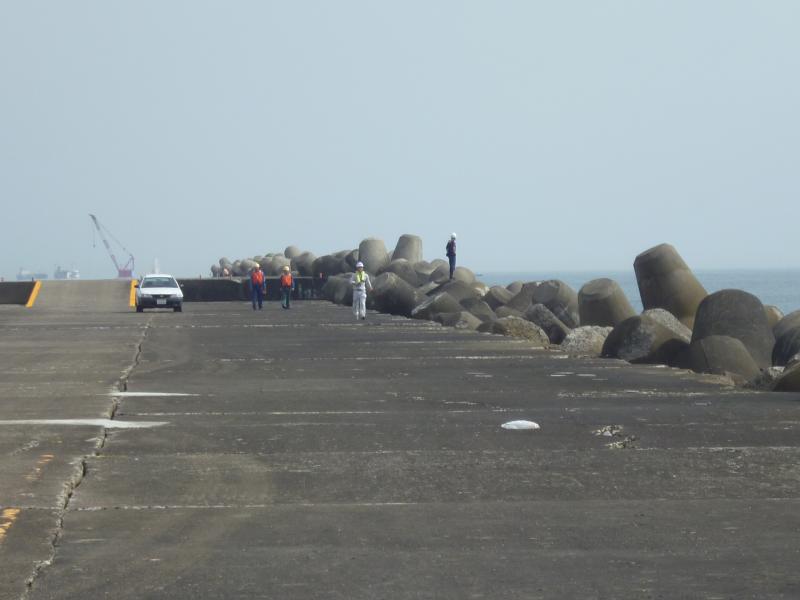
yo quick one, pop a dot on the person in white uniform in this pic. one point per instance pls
(361, 283)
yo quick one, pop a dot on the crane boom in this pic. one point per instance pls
(123, 272)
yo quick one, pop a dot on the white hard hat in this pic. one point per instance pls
(453, 236)
(359, 265)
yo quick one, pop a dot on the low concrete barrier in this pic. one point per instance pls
(231, 289)
(234, 289)
(212, 290)
(16, 292)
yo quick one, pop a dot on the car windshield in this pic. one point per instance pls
(159, 282)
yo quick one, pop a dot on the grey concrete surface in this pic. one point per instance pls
(54, 364)
(306, 455)
(91, 295)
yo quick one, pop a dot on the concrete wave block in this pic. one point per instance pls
(789, 381)
(524, 297)
(329, 265)
(586, 340)
(515, 287)
(350, 259)
(736, 314)
(457, 289)
(665, 281)
(393, 295)
(372, 252)
(506, 311)
(479, 308)
(602, 302)
(787, 347)
(440, 273)
(276, 264)
(408, 247)
(722, 355)
(480, 287)
(520, 328)
(291, 252)
(561, 299)
(460, 320)
(427, 288)
(404, 270)
(337, 289)
(497, 296)
(439, 303)
(463, 274)
(542, 316)
(774, 315)
(654, 337)
(303, 264)
(423, 270)
(246, 265)
(788, 322)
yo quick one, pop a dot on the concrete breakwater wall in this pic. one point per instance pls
(16, 292)
(238, 288)
(728, 333)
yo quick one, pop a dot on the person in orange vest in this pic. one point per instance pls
(287, 287)
(258, 286)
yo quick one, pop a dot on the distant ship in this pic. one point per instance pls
(66, 274)
(25, 275)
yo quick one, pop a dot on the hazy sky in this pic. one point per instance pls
(548, 135)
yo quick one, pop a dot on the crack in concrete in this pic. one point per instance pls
(79, 474)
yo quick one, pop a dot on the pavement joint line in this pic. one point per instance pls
(79, 473)
(272, 414)
(147, 394)
(241, 506)
(293, 505)
(105, 423)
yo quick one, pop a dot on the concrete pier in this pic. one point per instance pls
(301, 454)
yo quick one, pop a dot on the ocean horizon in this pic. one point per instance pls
(777, 287)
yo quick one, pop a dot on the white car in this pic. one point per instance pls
(158, 291)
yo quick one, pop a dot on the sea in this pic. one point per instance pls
(778, 287)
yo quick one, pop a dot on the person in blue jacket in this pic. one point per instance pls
(450, 250)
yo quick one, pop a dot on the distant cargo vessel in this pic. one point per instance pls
(26, 275)
(66, 273)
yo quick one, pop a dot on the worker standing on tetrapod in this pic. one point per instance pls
(361, 283)
(450, 250)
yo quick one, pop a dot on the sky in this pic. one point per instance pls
(568, 135)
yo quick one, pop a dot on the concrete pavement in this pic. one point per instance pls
(300, 454)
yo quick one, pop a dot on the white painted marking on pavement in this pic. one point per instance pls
(107, 423)
(149, 394)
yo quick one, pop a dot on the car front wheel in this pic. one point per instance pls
(178, 308)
